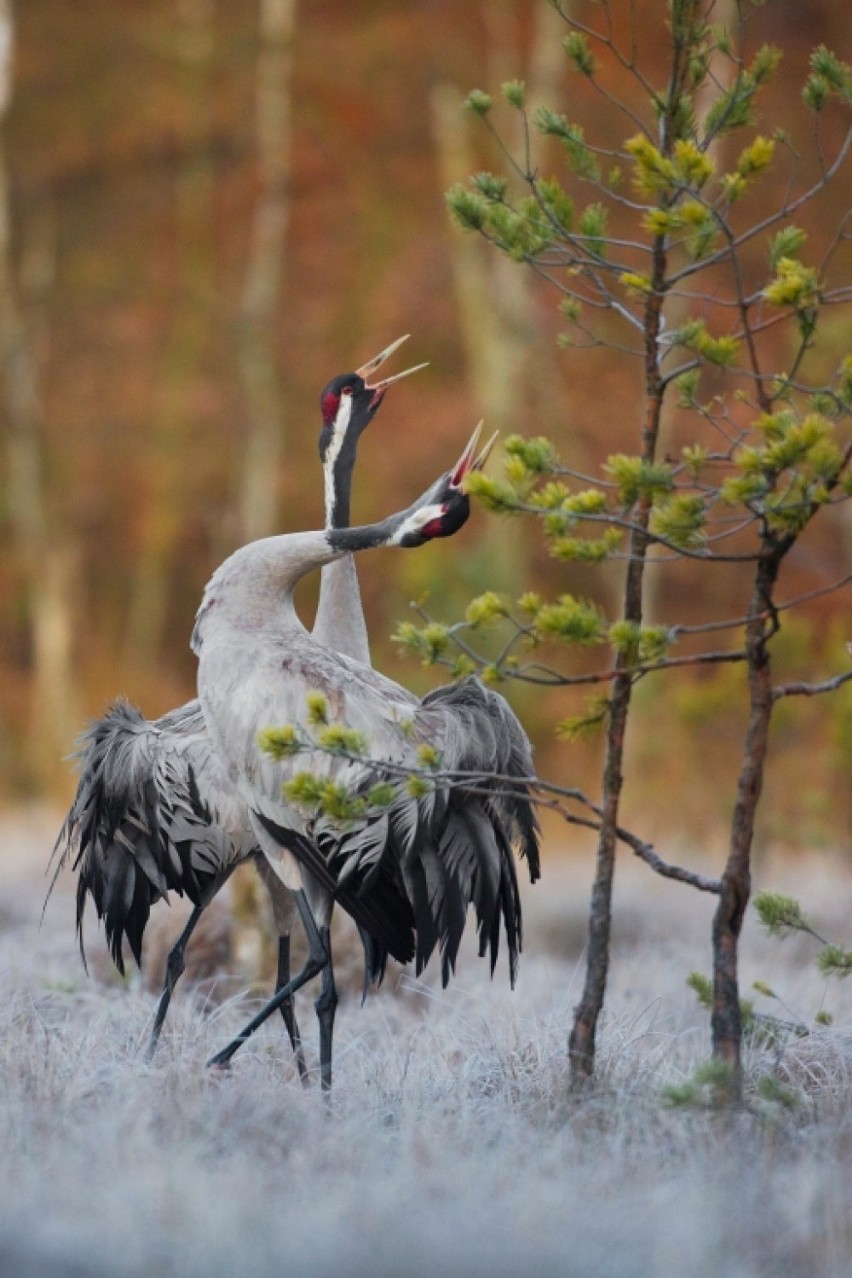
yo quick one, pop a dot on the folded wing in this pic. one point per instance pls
(154, 812)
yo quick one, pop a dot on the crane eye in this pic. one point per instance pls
(347, 390)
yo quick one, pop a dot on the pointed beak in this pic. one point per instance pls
(376, 362)
(485, 452)
(468, 462)
(379, 388)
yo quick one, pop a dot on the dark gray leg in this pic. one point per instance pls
(326, 1006)
(174, 971)
(317, 960)
(282, 912)
(287, 1010)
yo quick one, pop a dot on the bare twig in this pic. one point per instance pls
(802, 689)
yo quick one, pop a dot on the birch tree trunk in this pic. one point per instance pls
(722, 73)
(494, 298)
(47, 561)
(193, 196)
(257, 498)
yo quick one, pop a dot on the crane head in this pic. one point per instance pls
(444, 508)
(350, 401)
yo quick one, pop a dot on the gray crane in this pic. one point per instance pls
(155, 811)
(406, 871)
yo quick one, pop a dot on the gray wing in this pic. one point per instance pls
(245, 689)
(154, 812)
(422, 861)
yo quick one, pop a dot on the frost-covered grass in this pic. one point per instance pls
(452, 1147)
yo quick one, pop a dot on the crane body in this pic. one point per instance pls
(155, 811)
(406, 872)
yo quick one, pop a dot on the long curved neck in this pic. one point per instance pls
(337, 470)
(252, 591)
(339, 623)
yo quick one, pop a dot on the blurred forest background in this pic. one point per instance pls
(208, 209)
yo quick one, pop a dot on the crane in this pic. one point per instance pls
(406, 870)
(155, 810)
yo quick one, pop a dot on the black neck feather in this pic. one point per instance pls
(367, 538)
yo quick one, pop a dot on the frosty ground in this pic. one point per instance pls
(452, 1147)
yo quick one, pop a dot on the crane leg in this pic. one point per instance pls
(282, 912)
(316, 961)
(326, 1006)
(174, 971)
(287, 1010)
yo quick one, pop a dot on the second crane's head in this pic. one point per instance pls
(348, 404)
(444, 508)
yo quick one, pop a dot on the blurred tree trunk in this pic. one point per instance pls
(257, 498)
(47, 560)
(257, 501)
(494, 298)
(722, 74)
(186, 340)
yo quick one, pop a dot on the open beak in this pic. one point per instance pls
(379, 388)
(468, 462)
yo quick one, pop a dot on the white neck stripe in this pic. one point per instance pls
(338, 434)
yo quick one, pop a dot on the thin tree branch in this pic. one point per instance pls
(629, 64)
(802, 689)
(789, 207)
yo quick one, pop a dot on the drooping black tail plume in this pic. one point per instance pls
(491, 740)
(138, 827)
(428, 857)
